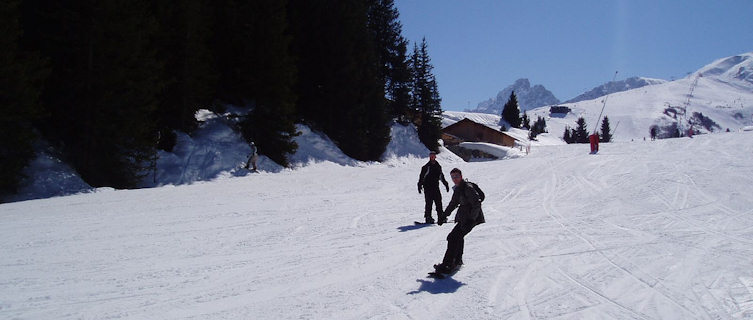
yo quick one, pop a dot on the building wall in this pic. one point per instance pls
(471, 131)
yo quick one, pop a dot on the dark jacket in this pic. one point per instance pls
(430, 175)
(468, 202)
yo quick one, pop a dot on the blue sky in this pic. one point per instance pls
(478, 47)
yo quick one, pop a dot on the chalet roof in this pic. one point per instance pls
(481, 125)
(466, 120)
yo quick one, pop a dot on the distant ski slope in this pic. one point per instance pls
(724, 93)
(643, 230)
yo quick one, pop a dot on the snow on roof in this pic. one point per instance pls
(498, 151)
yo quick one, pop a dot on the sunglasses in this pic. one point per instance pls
(455, 176)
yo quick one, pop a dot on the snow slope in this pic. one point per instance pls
(643, 230)
(616, 86)
(724, 93)
(739, 67)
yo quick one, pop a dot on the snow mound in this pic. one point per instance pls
(404, 142)
(214, 150)
(47, 176)
(315, 147)
(547, 139)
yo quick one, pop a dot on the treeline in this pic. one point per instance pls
(511, 116)
(109, 82)
(579, 134)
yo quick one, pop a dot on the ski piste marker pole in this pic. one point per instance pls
(596, 126)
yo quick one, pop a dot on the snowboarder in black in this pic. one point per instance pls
(428, 180)
(467, 197)
(252, 158)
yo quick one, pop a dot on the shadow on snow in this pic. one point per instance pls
(437, 286)
(413, 227)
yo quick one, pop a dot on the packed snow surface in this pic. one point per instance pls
(642, 230)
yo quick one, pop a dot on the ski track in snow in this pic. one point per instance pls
(644, 230)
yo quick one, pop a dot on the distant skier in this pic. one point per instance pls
(428, 180)
(467, 197)
(252, 158)
(594, 140)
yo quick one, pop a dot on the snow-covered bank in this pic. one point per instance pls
(643, 230)
(48, 176)
(214, 151)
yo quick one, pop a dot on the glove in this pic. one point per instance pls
(419, 188)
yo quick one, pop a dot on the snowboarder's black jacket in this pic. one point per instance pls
(468, 198)
(430, 175)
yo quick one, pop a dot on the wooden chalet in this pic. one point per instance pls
(467, 130)
(559, 109)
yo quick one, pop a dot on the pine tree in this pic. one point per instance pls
(256, 68)
(566, 136)
(399, 89)
(511, 112)
(21, 76)
(394, 72)
(580, 134)
(190, 72)
(340, 92)
(425, 97)
(526, 121)
(538, 127)
(606, 135)
(104, 87)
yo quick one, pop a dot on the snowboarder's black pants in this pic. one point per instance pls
(455, 244)
(432, 195)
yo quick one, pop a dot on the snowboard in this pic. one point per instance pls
(419, 223)
(438, 275)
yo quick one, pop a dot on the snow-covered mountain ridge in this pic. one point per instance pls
(729, 69)
(739, 67)
(722, 98)
(528, 98)
(616, 86)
